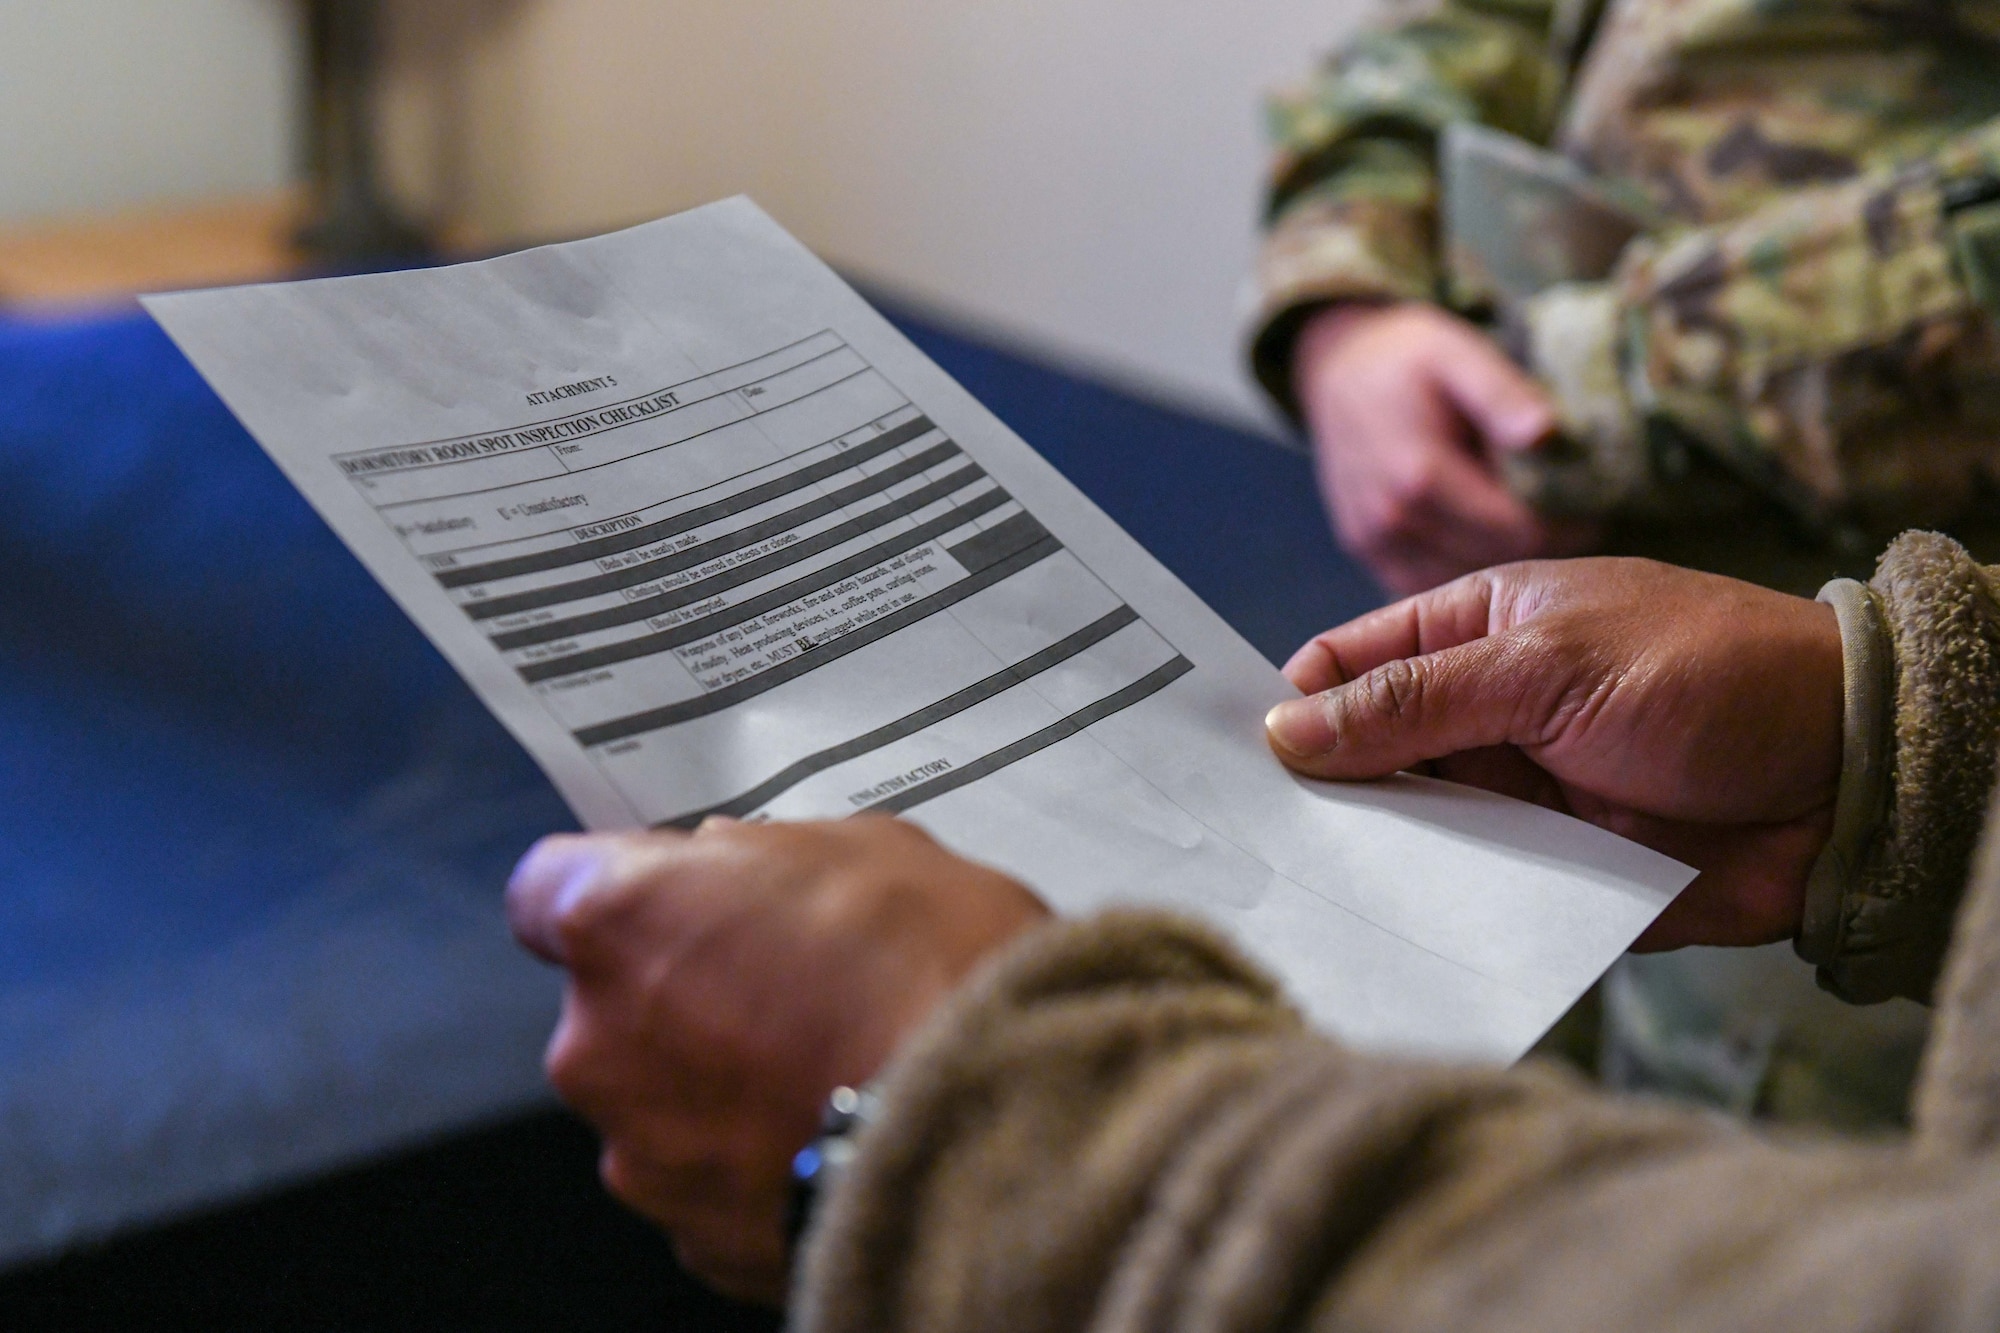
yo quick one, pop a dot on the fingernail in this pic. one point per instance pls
(546, 883)
(1300, 727)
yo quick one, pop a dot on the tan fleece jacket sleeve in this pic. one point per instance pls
(1121, 1128)
(1931, 618)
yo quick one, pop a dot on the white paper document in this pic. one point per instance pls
(707, 534)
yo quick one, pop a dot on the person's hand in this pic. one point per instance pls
(1694, 714)
(723, 983)
(1408, 406)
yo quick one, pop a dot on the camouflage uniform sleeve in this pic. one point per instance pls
(1836, 348)
(1351, 209)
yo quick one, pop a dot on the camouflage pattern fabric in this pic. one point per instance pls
(1801, 341)
(1813, 306)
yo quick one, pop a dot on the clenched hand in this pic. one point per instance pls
(723, 983)
(1408, 407)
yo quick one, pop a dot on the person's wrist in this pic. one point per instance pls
(1325, 330)
(955, 917)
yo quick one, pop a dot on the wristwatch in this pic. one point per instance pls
(820, 1163)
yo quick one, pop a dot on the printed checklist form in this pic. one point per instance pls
(709, 536)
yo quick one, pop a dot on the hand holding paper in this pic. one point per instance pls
(804, 954)
(709, 536)
(1695, 714)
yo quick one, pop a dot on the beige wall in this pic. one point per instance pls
(107, 104)
(1079, 175)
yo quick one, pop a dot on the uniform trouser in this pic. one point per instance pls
(1749, 1031)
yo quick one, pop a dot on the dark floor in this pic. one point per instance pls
(505, 1228)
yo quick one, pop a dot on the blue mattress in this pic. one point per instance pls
(253, 831)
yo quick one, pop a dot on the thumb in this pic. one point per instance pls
(1510, 411)
(1402, 713)
(559, 895)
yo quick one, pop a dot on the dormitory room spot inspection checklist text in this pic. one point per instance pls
(708, 535)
